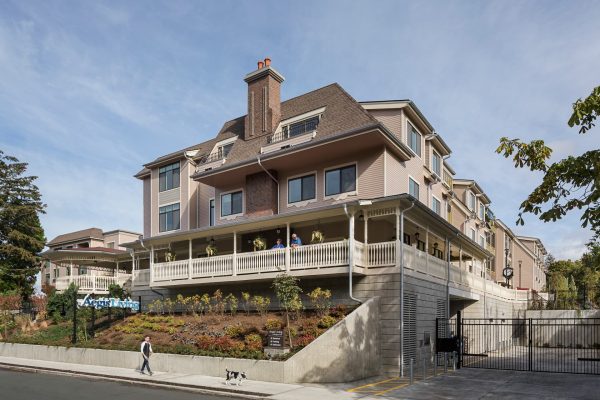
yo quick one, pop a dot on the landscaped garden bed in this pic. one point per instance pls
(211, 325)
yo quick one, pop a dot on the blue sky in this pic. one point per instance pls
(89, 91)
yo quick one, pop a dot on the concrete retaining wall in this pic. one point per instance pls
(346, 352)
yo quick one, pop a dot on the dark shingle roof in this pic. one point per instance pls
(94, 233)
(342, 113)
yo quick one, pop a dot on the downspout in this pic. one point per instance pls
(193, 163)
(272, 177)
(350, 262)
(401, 240)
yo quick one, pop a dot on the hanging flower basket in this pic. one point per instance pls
(170, 256)
(317, 237)
(259, 243)
(211, 250)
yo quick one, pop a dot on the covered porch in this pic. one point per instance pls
(103, 267)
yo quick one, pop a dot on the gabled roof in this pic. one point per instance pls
(90, 233)
(473, 185)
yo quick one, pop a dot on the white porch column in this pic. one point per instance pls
(448, 279)
(234, 253)
(151, 264)
(117, 272)
(351, 243)
(399, 240)
(366, 239)
(288, 257)
(426, 249)
(189, 258)
(133, 269)
(70, 273)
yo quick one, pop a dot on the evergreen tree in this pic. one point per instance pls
(21, 234)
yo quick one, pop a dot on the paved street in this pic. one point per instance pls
(468, 384)
(17, 385)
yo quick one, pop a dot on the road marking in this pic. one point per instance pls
(389, 390)
(358, 388)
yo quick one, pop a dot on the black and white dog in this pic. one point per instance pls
(234, 377)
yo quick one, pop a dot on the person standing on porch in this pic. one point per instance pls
(146, 349)
(296, 241)
(278, 245)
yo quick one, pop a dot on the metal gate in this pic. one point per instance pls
(566, 345)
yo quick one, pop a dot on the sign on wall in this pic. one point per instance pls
(106, 302)
(275, 339)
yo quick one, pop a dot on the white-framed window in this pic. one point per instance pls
(414, 139)
(471, 200)
(340, 180)
(482, 211)
(436, 163)
(413, 188)
(472, 234)
(110, 245)
(436, 205)
(168, 177)
(211, 212)
(168, 218)
(302, 188)
(482, 241)
(231, 203)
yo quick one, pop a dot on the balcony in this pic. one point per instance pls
(91, 284)
(447, 180)
(317, 259)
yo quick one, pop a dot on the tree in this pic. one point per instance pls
(288, 292)
(21, 234)
(572, 183)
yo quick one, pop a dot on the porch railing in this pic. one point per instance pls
(141, 277)
(91, 283)
(319, 255)
(382, 254)
(212, 266)
(261, 261)
(171, 270)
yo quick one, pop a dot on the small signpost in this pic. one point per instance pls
(275, 344)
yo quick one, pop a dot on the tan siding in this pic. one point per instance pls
(147, 207)
(224, 220)
(206, 193)
(370, 181)
(391, 119)
(193, 204)
(154, 202)
(184, 201)
(396, 176)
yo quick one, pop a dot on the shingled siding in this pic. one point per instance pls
(147, 206)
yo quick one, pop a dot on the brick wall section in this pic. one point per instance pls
(264, 107)
(261, 194)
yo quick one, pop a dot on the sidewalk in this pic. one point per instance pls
(249, 389)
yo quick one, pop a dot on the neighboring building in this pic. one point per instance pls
(524, 255)
(373, 177)
(90, 258)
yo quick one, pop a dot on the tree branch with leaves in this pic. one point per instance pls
(572, 183)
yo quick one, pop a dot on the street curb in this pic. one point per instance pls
(140, 382)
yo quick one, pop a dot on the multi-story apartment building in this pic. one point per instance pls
(373, 178)
(90, 258)
(525, 255)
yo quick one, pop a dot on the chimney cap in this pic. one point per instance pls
(260, 64)
(262, 72)
(267, 61)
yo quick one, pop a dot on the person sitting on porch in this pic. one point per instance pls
(278, 245)
(296, 241)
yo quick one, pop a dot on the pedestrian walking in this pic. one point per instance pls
(146, 349)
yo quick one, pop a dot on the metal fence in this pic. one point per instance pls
(564, 300)
(567, 345)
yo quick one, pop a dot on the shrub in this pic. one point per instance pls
(288, 292)
(206, 306)
(319, 299)
(310, 328)
(253, 341)
(261, 304)
(246, 299)
(273, 324)
(339, 311)
(232, 301)
(218, 302)
(40, 302)
(304, 340)
(183, 303)
(169, 305)
(327, 322)
(234, 331)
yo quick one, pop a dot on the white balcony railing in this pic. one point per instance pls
(323, 255)
(319, 255)
(91, 283)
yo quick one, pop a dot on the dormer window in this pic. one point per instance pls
(298, 128)
(414, 139)
(482, 212)
(220, 151)
(471, 201)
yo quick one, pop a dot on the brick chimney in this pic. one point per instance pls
(264, 100)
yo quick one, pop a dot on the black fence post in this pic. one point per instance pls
(530, 345)
(74, 339)
(93, 327)
(460, 339)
